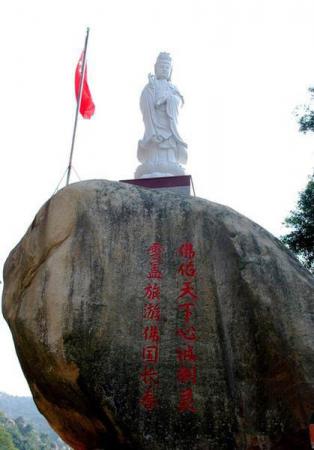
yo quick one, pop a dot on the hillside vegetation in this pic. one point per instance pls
(22, 427)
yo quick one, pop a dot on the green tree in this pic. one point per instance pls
(19, 435)
(6, 442)
(301, 222)
(305, 115)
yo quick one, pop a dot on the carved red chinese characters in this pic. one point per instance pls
(186, 357)
(185, 331)
(151, 315)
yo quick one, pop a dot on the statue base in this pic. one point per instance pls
(178, 184)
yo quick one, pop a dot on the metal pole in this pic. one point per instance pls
(78, 107)
(192, 185)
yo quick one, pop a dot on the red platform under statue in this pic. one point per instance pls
(178, 184)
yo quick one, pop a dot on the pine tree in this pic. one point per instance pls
(301, 222)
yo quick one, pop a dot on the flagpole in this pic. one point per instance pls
(77, 107)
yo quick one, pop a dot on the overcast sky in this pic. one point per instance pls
(242, 66)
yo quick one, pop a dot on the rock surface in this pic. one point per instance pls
(74, 298)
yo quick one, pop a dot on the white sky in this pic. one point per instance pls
(242, 66)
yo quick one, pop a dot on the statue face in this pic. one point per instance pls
(163, 70)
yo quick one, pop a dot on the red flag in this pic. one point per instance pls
(87, 107)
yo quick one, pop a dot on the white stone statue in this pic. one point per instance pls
(162, 150)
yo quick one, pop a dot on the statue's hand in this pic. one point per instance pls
(157, 139)
(161, 100)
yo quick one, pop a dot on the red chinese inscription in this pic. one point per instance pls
(150, 353)
(187, 269)
(186, 250)
(152, 291)
(149, 376)
(187, 308)
(151, 333)
(151, 311)
(189, 334)
(187, 289)
(186, 354)
(186, 401)
(148, 400)
(155, 251)
(186, 357)
(187, 374)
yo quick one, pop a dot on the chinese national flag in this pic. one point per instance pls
(87, 107)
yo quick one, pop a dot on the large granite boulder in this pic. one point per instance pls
(148, 320)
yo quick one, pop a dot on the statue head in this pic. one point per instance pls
(163, 66)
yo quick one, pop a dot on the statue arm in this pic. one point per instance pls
(177, 92)
(147, 108)
(171, 98)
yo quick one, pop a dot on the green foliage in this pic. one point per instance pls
(6, 442)
(306, 121)
(305, 116)
(301, 222)
(20, 435)
(14, 406)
